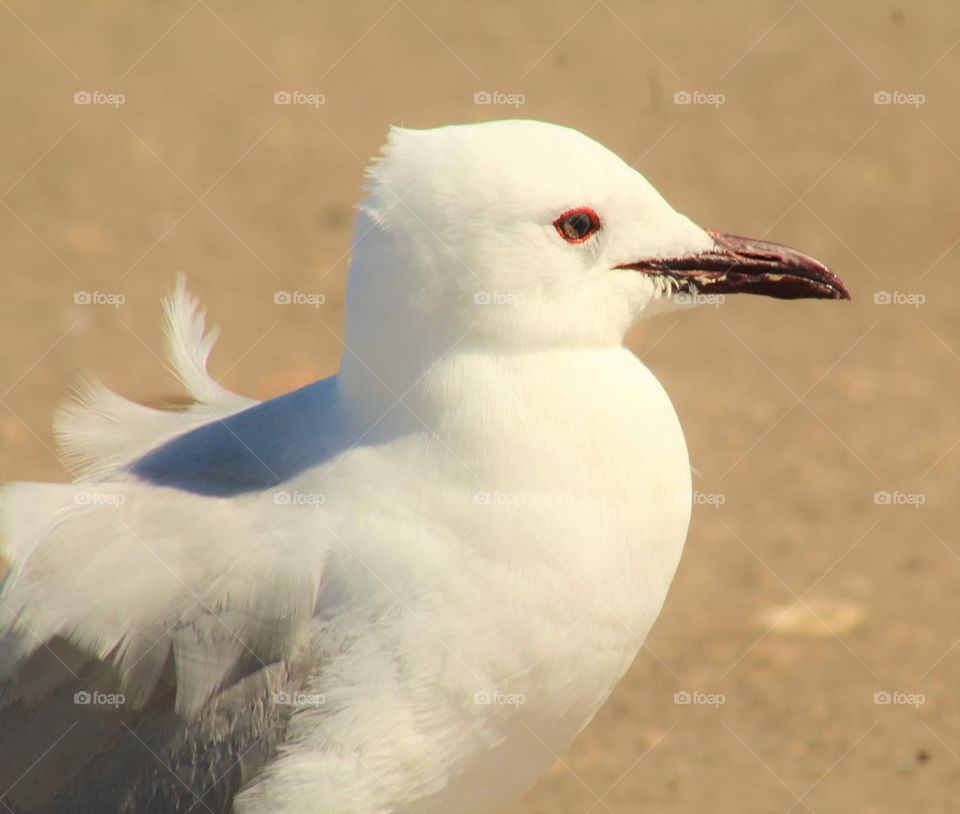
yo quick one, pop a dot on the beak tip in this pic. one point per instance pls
(805, 276)
(839, 290)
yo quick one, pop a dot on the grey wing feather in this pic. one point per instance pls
(189, 611)
(61, 756)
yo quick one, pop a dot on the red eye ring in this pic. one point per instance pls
(577, 225)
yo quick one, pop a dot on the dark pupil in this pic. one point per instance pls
(578, 225)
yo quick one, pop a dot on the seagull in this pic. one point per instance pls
(403, 588)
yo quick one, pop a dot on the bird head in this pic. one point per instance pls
(521, 234)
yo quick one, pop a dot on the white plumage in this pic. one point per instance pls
(446, 556)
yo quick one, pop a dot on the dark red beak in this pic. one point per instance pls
(743, 265)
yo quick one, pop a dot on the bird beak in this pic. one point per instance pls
(743, 265)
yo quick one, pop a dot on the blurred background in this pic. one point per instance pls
(807, 658)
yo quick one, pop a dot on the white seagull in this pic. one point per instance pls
(404, 588)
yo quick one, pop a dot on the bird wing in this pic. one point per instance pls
(184, 612)
(137, 575)
(186, 606)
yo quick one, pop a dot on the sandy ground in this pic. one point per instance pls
(799, 597)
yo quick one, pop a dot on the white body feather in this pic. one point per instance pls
(472, 540)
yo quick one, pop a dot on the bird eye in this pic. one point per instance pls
(577, 225)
